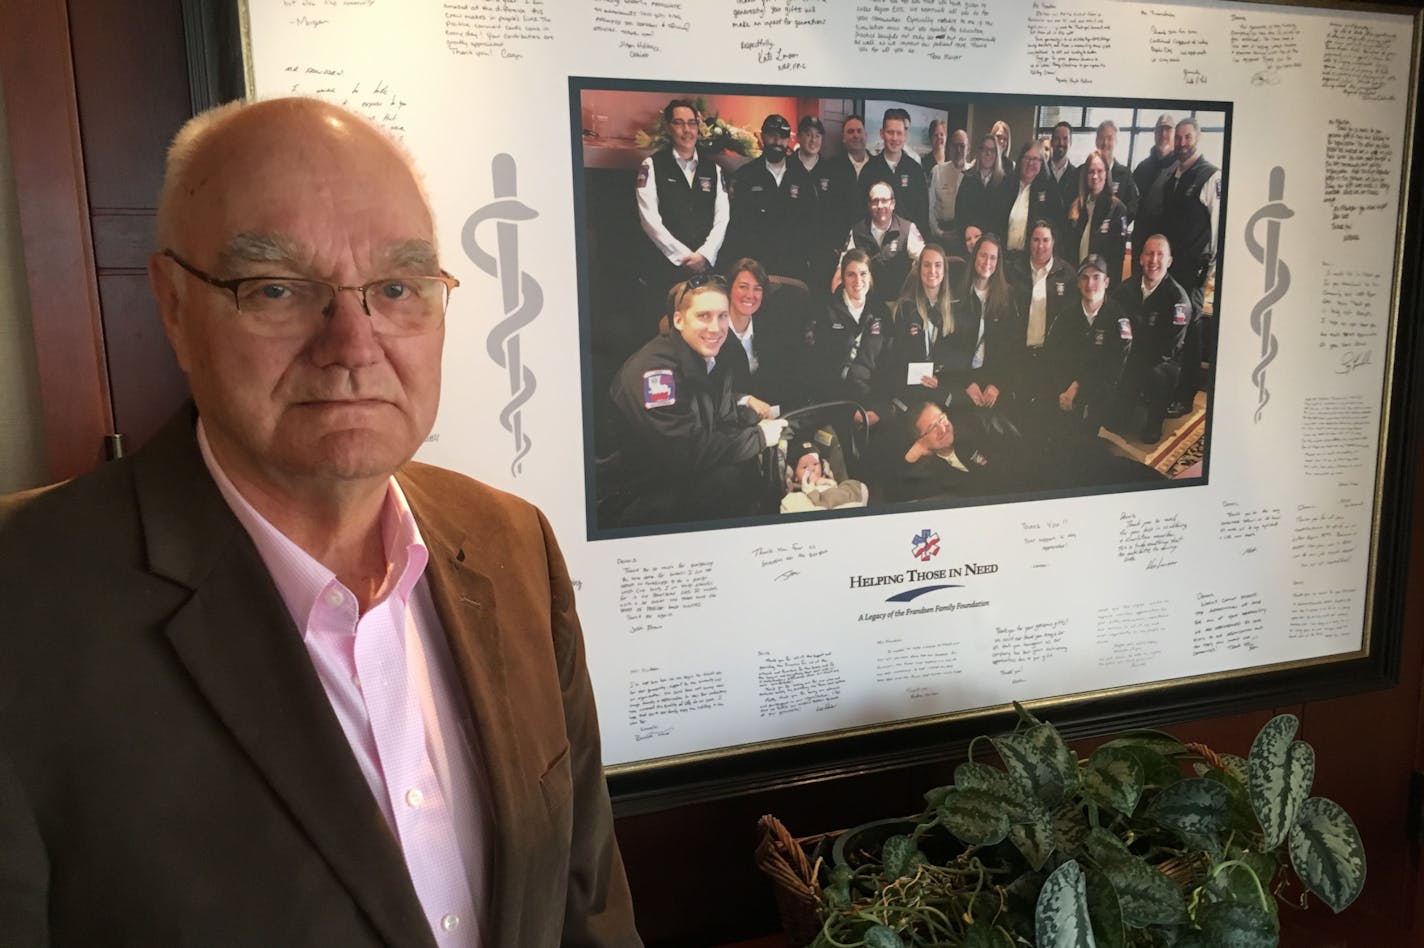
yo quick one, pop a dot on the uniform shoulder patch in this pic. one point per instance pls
(874, 327)
(1124, 329)
(913, 329)
(644, 170)
(659, 388)
(979, 459)
(1179, 314)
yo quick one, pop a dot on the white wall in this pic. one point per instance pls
(22, 462)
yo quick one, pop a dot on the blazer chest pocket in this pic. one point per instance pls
(556, 784)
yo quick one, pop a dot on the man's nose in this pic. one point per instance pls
(347, 336)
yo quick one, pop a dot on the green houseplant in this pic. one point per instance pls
(1147, 842)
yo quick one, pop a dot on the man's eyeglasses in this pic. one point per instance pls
(940, 420)
(294, 306)
(683, 123)
(696, 282)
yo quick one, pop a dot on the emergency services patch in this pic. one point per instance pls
(794, 191)
(1041, 196)
(890, 247)
(1098, 337)
(913, 329)
(824, 183)
(1124, 329)
(659, 388)
(874, 327)
(643, 170)
(904, 180)
(979, 459)
(705, 183)
(1103, 229)
(1058, 287)
(1179, 314)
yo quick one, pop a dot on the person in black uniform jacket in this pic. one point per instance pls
(1120, 182)
(764, 349)
(850, 340)
(846, 194)
(1002, 136)
(923, 460)
(1034, 197)
(1063, 172)
(826, 229)
(1044, 288)
(773, 207)
(892, 242)
(1184, 206)
(929, 328)
(682, 207)
(1097, 221)
(686, 451)
(995, 369)
(1087, 351)
(898, 168)
(1158, 160)
(982, 193)
(1161, 314)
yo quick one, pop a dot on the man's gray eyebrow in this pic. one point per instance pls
(248, 247)
(414, 255)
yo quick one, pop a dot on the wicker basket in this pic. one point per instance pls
(786, 861)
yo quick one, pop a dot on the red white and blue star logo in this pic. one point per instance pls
(925, 545)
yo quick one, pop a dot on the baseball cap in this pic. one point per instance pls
(1165, 119)
(776, 124)
(1093, 261)
(810, 121)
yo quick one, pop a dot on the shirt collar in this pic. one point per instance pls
(299, 577)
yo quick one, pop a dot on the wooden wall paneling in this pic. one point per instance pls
(37, 67)
(131, 77)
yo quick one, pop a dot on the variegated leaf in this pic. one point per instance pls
(878, 936)
(1104, 910)
(1159, 742)
(896, 856)
(1157, 770)
(1070, 826)
(1238, 925)
(1061, 916)
(1327, 853)
(1113, 778)
(1236, 766)
(935, 796)
(1281, 770)
(1198, 809)
(1146, 895)
(975, 817)
(1102, 846)
(1244, 882)
(1034, 837)
(1020, 898)
(1040, 762)
(996, 783)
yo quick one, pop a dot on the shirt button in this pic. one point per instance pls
(450, 922)
(335, 597)
(413, 799)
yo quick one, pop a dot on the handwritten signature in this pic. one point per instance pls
(1266, 77)
(1352, 360)
(786, 575)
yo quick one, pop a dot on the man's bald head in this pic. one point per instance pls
(247, 136)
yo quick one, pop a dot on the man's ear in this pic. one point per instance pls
(162, 280)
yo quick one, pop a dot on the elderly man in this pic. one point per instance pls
(268, 682)
(945, 178)
(682, 206)
(892, 242)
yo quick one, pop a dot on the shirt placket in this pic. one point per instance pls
(416, 801)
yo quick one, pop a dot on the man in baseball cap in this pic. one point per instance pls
(773, 206)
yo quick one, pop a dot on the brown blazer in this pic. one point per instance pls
(171, 772)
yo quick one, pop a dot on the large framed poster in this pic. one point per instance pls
(816, 529)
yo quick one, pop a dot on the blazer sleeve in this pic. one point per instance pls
(598, 911)
(24, 867)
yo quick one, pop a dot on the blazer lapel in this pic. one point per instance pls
(237, 641)
(464, 598)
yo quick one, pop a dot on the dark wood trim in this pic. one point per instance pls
(37, 68)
